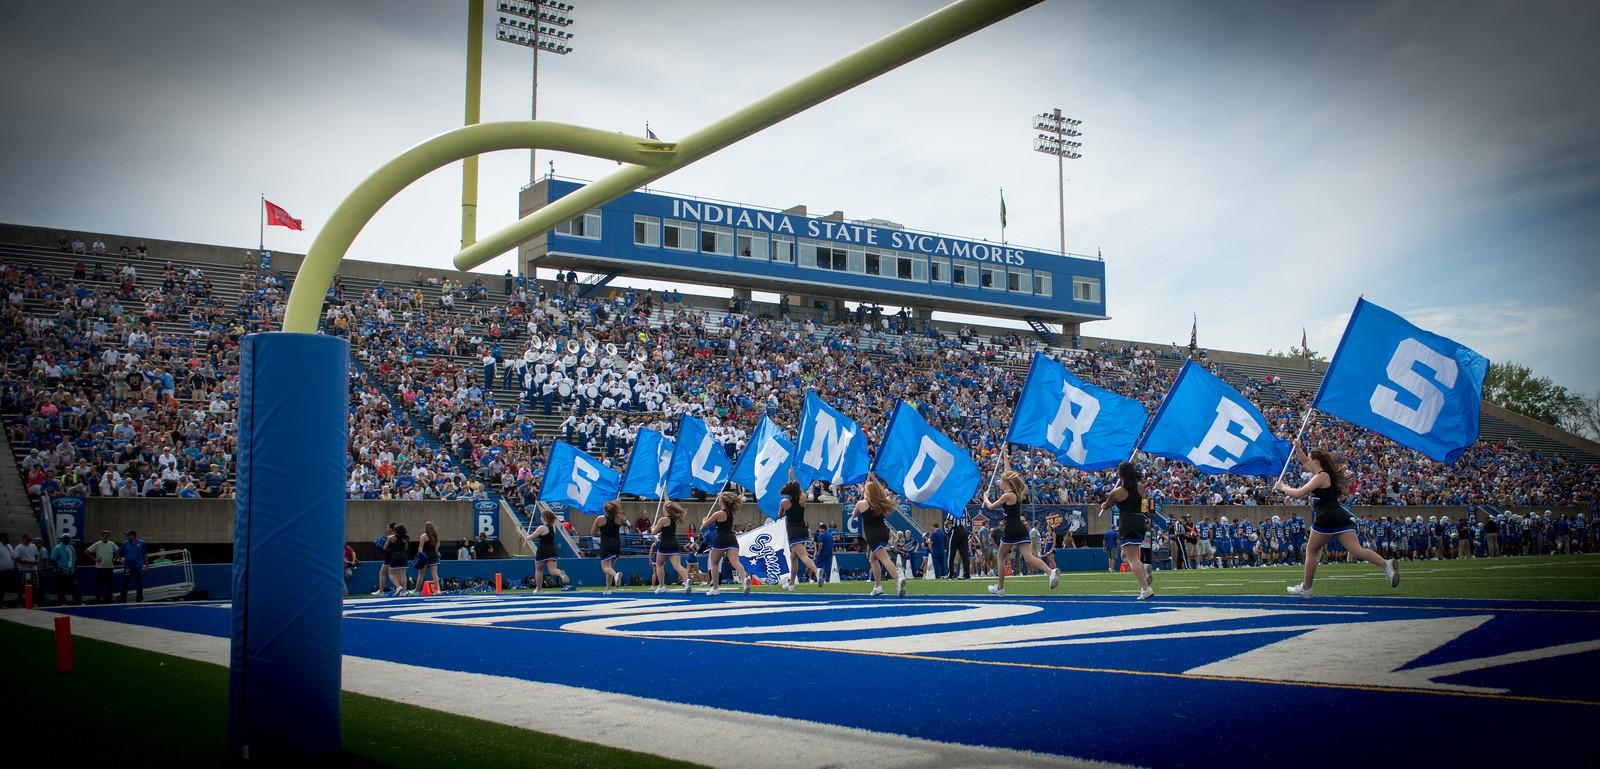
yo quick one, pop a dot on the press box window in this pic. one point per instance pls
(874, 264)
(679, 235)
(584, 225)
(646, 231)
(964, 274)
(994, 277)
(939, 270)
(716, 240)
(751, 245)
(1085, 289)
(1041, 284)
(782, 249)
(1020, 281)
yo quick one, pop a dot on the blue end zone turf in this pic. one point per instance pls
(1182, 682)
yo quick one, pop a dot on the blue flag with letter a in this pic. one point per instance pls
(698, 461)
(764, 465)
(577, 479)
(923, 465)
(646, 474)
(1207, 423)
(1086, 427)
(1417, 388)
(832, 447)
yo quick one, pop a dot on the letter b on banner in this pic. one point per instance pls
(486, 511)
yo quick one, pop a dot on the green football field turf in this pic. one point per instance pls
(166, 708)
(1551, 578)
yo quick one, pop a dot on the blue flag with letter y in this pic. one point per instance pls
(923, 465)
(1417, 388)
(1207, 423)
(1084, 426)
(577, 479)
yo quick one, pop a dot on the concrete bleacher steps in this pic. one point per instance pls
(16, 510)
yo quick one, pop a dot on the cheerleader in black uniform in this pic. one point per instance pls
(1330, 520)
(1013, 532)
(726, 544)
(609, 527)
(1132, 524)
(668, 549)
(874, 509)
(793, 510)
(546, 559)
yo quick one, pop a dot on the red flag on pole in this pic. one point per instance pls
(279, 217)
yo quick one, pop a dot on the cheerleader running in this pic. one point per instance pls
(546, 559)
(726, 544)
(1331, 520)
(1132, 524)
(609, 527)
(667, 549)
(874, 509)
(1014, 533)
(793, 510)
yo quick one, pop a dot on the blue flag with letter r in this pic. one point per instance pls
(577, 479)
(1417, 388)
(1086, 427)
(1207, 423)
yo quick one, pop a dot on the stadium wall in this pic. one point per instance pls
(210, 521)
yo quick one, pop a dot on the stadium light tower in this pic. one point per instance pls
(1056, 133)
(542, 26)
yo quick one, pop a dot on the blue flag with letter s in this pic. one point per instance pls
(832, 446)
(1417, 388)
(698, 461)
(574, 478)
(1207, 423)
(764, 465)
(923, 465)
(646, 473)
(1086, 427)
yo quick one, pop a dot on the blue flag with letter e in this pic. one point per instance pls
(1417, 388)
(646, 474)
(764, 551)
(923, 465)
(1086, 427)
(832, 447)
(764, 465)
(574, 478)
(1207, 423)
(698, 461)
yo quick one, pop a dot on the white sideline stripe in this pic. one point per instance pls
(653, 727)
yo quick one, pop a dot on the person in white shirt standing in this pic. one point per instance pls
(104, 554)
(8, 569)
(27, 556)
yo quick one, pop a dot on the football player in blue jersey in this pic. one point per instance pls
(1224, 543)
(1245, 542)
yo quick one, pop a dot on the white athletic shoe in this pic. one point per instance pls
(608, 588)
(378, 592)
(900, 586)
(1146, 594)
(660, 589)
(1391, 569)
(996, 590)
(713, 591)
(876, 590)
(1055, 578)
(1303, 592)
(818, 575)
(688, 587)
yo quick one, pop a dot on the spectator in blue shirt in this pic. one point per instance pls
(132, 554)
(65, 559)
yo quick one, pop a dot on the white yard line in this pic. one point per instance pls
(654, 727)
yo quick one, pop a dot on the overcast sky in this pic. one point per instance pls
(1260, 164)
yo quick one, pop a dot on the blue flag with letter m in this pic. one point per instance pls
(1084, 426)
(764, 465)
(646, 474)
(577, 479)
(1207, 423)
(698, 461)
(1417, 388)
(923, 465)
(832, 447)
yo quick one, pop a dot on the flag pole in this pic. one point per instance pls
(1303, 422)
(261, 219)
